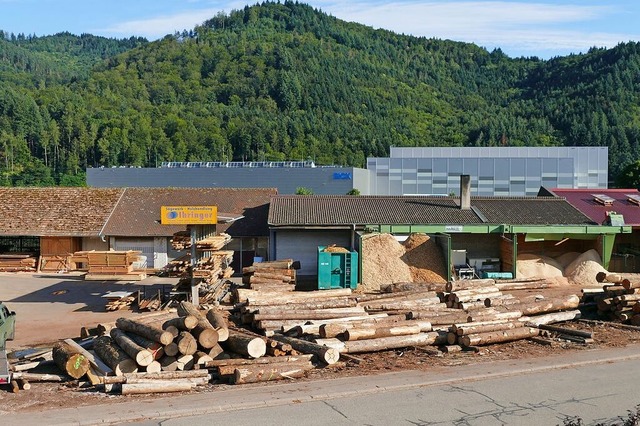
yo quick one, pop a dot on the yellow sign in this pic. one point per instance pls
(189, 215)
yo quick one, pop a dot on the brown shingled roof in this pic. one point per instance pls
(72, 212)
(529, 211)
(287, 210)
(138, 212)
(309, 210)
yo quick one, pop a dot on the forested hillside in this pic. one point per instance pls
(286, 81)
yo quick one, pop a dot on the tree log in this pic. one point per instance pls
(184, 323)
(498, 336)
(253, 297)
(168, 363)
(95, 361)
(140, 355)
(395, 342)
(531, 285)
(69, 360)
(563, 330)
(472, 328)
(185, 362)
(161, 376)
(154, 347)
(265, 373)
(155, 387)
(219, 323)
(114, 356)
(457, 285)
(187, 344)
(234, 362)
(144, 330)
(215, 351)
(319, 314)
(201, 358)
(246, 345)
(39, 377)
(547, 305)
(361, 333)
(326, 355)
(341, 302)
(171, 349)
(204, 332)
(154, 367)
(492, 316)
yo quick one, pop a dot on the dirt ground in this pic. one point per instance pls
(45, 315)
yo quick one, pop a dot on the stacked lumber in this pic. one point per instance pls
(17, 263)
(270, 275)
(152, 303)
(113, 265)
(178, 268)
(215, 266)
(117, 300)
(182, 241)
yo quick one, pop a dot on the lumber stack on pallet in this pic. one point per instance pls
(270, 275)
(182, 241)
(117, 300)
(113, 265)
(17, 263)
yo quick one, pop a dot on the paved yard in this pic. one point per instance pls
(56, 306)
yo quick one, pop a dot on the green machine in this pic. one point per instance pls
(337, 269)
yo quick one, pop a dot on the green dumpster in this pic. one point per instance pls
(337, 270)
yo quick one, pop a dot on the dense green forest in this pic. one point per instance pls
(281, 81)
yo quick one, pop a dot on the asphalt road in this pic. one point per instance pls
(595, 393)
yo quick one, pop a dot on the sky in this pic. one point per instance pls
(543, 28)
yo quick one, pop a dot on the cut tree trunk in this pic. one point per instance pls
(471, 328)
(140, 355)
(154, 347)
(204, 332)
(265, 373)
(395, 342)
(158, 386)
(144, 330)
(154, 367)
(246, 345)
(361, 333)
(187, 344)
(498, 336)
(184, 323)
(168, 363)
(537, 320)
(325, 354)
(457, 285)
(100, 367)
(114, 356)
(164, 375)
(69, 360)
(219, 323)
(548, 305)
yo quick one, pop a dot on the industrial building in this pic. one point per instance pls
(499, 171)
(494, 171)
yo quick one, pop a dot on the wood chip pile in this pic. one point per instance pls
(385, 260)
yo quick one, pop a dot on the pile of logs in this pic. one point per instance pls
(467, 313)
(619, 298)
(273, 275)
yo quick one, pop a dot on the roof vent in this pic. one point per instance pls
(633, 199)
(603, 199)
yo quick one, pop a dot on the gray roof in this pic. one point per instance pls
(310, 210)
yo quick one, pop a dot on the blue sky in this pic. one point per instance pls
(543, 28)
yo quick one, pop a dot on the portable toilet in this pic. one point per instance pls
(337, 269)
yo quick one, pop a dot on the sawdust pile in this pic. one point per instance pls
(335, 249)
(537, 266)
(578, 268)
(386, 261)
(583, 270)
